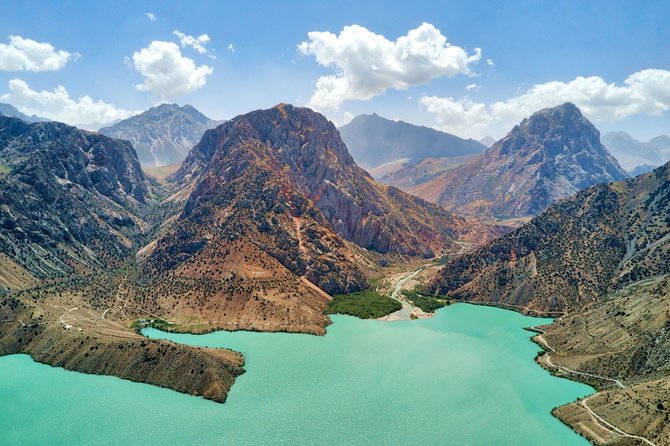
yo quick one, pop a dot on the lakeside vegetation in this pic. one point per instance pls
(363, 304)
(427, 302)
(160, 324)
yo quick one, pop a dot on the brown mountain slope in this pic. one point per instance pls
(575, 252)
(626, 338)
(553, 154)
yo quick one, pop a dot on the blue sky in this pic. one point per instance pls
(526, 44)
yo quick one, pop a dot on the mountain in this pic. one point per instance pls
(11, 112)
(164, 134)
(409, 176)
(373, 140)
(69, 201)
(487, 141)
(631, 153)
(639, 170)
(553, 154)
(575, 252)
(277, 214)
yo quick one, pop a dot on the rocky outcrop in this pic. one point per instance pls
(551, 155)
(164, 134)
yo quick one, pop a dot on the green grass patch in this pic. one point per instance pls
(363, 304)
(4, 169)
(427, 302)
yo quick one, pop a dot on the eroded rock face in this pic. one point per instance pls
(553, 154)
(69, 199)
(164, 134)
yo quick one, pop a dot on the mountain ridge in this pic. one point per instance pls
(164, 134)
(373, 140)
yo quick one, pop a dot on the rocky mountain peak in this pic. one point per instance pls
(552, 154)
(163, 134)
(299, 154)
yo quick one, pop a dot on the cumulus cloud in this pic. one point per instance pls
(167, 73)
(197, 43)
(472, 87)
(29, 55)
(59, 106)
(231, 47)
(490, 62)
(151, 16)
(646, 91)
(367, 64)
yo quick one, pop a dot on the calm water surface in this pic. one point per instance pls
(465, 377)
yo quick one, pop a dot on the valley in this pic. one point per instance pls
(268, 224)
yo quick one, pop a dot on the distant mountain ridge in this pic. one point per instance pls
(550, 155)
(373, 141)
(163, 134)
(12, 112)
(632, 153)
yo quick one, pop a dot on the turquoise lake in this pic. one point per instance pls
(465, 377)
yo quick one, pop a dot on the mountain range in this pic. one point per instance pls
(374, 141)
(164, 134)
(632, 153)
(550, 155)
(267, 216)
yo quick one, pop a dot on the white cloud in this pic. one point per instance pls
(167, 73)
(646, 91)
(461, 117)
(59, 106)
(231, 47)
(28, 55)
(151, 16)
(347, 117)
(367, 64)
(472, 87)
(197, 43)
(490, 62)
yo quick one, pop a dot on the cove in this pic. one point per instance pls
(465, 377)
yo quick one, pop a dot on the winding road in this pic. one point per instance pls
(599, 420)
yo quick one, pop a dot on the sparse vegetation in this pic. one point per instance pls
(363, 304)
